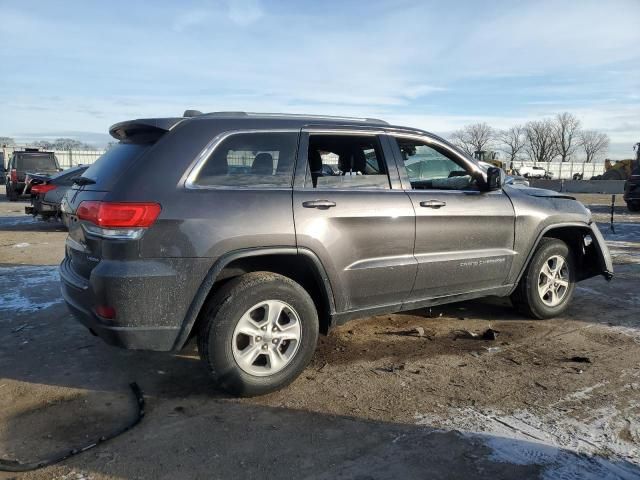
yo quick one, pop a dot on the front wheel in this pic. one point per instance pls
(547, 284)
(258, 334)
(633, 206)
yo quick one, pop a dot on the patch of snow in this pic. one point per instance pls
(583, 394)
(21, 245)
(13, 221)
(557, 463)
(629, 331)
(565, 446)
(629, 232)
(630, 300)
(28, 288)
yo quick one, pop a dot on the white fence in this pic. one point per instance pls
(560, 170)
(66, 158)
(71, 158)
(566, 170)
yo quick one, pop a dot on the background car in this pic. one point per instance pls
(508, 179)
(48, 193)
(534, 172)
(29, 160)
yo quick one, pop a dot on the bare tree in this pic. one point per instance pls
(7, 141)
(593, 143)
(512, 142)
(540, 140)
(567, 135)
(472, 138)
(63, 144)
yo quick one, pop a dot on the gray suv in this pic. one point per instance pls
(256, 232)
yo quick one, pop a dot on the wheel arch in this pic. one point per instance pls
(300, 264)
(574, 235)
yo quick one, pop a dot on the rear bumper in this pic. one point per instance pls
(40, 207)
(136, 302)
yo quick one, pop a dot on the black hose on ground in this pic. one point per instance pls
(16, 466)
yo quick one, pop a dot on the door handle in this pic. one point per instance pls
(433, 203)
(321, 204)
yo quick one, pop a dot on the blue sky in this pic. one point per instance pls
(74, 68)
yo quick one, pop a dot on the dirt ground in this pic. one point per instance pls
(545, 399)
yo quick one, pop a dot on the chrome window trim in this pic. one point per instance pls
(342, 131)
(208, 150)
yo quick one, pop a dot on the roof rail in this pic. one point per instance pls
(295, 115)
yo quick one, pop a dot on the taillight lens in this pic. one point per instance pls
(42, 188)
(14, 175)
(119, 215)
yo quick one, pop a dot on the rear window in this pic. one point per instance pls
(113, 162)
(37, 162)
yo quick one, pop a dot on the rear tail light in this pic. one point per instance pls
(14, 175)
(42, 188)
(117, 220)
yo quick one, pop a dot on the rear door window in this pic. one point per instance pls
(346, 162)
(259, 160)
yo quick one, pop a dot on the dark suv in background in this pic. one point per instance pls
(29, 160)
(632, 185)
(255, 232)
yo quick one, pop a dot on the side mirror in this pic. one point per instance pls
(495, 178)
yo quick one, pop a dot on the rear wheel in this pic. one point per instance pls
(258, 334)
(633, 206)
(547, 285)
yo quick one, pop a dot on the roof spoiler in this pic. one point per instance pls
(142, 130)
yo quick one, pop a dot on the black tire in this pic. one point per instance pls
(11, 193)
(526, 297)
(633, 206)
(223, 312)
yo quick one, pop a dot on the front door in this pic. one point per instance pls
(350, 210)
(464, 236)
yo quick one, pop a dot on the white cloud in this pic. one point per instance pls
(244, 12)
(190, 18)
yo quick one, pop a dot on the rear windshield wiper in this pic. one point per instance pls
(83, 181)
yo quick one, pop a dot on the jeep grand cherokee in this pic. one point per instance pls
(255, 232)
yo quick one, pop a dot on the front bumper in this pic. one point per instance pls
(604, 256)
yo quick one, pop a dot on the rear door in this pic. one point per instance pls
(350, 210)
(464, 236)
